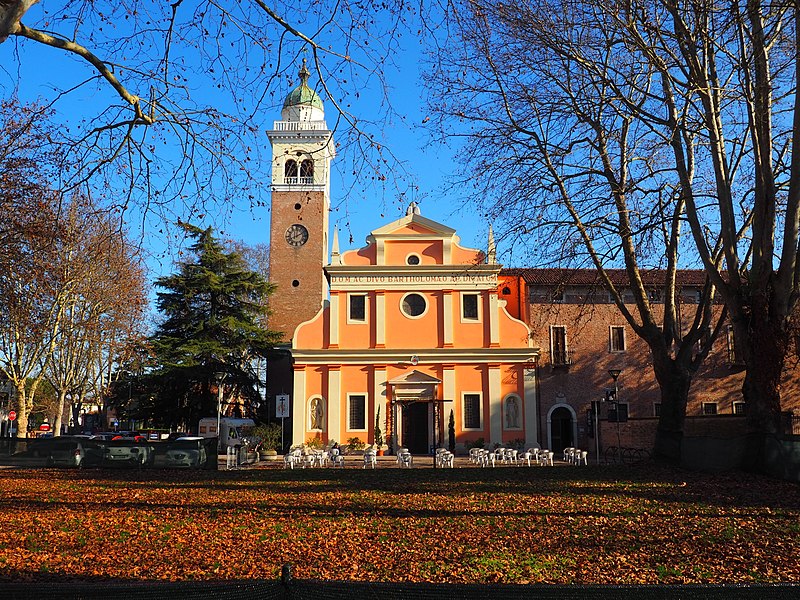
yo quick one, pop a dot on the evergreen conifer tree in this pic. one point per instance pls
(211, 312)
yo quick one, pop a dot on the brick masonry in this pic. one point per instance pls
(297, 271)
(573, 386)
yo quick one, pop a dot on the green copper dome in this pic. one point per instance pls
(302, 94)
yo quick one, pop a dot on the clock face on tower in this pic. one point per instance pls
(296, 235)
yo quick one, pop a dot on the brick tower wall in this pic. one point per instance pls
(297, 271)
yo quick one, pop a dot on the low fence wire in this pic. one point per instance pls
(288, 588)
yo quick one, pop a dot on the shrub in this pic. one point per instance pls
(355, 443)
(478, 443)
(314, 443)
(270, 435)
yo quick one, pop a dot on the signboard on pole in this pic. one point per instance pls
(12, 415)
(282, 406)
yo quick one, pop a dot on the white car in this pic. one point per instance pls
(186, 452)
(127, 451)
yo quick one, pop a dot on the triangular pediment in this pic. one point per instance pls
(414, 225)
(414, 378)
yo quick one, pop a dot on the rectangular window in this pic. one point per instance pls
(558, 345)
(469, 308)
(357, 412)
(656, 409)
(472, 411)
(617, 339)
(738, 408)
(358, 308)
(705, 339)
(709, 408)
(734, 354)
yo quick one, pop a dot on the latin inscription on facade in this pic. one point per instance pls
(414, 279)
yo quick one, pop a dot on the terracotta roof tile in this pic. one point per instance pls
(695, 277)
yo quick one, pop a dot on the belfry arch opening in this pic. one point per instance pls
(298, 171)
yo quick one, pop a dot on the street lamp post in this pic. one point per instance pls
(220, 377)
(614, 375)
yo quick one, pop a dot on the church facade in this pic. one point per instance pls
(414, 339)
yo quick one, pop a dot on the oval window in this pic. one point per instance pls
(412, 259)
(414, 305)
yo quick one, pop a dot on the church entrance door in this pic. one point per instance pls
(415, 427)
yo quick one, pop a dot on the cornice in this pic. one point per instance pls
(435, 356)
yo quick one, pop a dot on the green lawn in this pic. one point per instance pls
(643, 524)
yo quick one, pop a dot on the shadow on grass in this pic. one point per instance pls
(647, 482)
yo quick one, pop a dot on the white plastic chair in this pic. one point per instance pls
(370, 458)
(337, 460)
(294, 457)
(405, 459)
(447, 459)
(400, 452)
(475, 455)
(487, 458)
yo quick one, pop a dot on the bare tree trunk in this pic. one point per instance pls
(674, 381)
(57, 421)
(767, 345)
(23, 410)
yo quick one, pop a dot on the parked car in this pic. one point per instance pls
(127, 451)
(186, 452)
(68, 451)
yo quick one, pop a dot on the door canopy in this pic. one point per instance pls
(414, 386)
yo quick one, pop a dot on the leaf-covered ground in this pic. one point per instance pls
(585, 525)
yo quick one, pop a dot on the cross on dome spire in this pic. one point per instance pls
(304, 73)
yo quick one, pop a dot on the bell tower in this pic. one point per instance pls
(302, 151)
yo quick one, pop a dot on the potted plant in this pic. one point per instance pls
(378, 433)
(355, 445)
(270, 435)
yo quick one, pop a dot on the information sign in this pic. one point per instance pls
(282, 406)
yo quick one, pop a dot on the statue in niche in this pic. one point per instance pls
(512, 413)
(316, 413)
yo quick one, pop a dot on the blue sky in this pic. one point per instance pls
(34, 72)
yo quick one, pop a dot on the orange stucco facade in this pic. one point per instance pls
(413, 331)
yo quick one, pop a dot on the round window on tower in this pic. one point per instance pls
(413, 259)
(413, 305)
